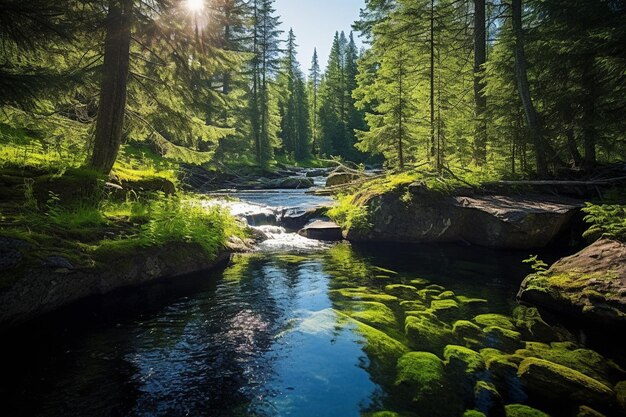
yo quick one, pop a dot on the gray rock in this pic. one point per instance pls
(322, 230)
(491, 221)
(291, 183)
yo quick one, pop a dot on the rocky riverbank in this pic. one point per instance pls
(590, 285)
(49, 285)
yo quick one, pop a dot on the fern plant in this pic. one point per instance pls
(606, 220)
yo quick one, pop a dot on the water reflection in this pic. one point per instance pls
(275, 334)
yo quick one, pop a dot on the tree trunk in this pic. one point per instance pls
(480, 57)
(589, 113)
(113, 87)
(524, 91)
(432, 78)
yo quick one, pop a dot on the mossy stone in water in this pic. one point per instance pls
(584, 411)
(405, 292)
(419, 283)
(473, 413)
(498, 320)
(435, 287)
(463, 359)
(446, 295)
(503, 372)
(427, 295)
(553, 382)
(422, 372)
(487, 399)
(503, 339)
(572, 356)
(520, 410)
(413, 306)
(362, 294)
(427, 333)
(446, 310)
(620, 393)
(531, 325)
(472, 306)
(467, 329)
(373, 313)
(382, 414)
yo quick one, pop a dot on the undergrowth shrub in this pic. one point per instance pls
(608, 220)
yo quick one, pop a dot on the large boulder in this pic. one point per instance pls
(550, 381)
(491, 221)
(341, 178)
(289, 183)
(590, 284)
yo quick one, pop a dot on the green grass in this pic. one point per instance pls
(349, 214)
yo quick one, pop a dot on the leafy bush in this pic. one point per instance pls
(608, 220)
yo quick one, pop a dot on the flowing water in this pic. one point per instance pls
(299, 328)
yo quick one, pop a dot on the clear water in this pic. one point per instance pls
(267, 336)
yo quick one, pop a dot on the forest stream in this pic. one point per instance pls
(297, 328)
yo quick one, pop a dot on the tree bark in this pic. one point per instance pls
(480, 100)
(432, 78)
(113, 87)
(523, 86)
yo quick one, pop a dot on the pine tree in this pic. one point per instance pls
(314, 89)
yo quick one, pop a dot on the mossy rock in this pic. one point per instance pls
(149, 185)
(74, 185)
(584, 411)
(362, 294)
(503, 371)
(620, 394)
(427, 295)
(413, 306)
(382, 414)
(531, 325)
(435, 287)
(572, 356)
(473, 413)
(472, 306)
(487, 399)
(405, 292)
(463, 359)
(520, 410)
(446, 309)
(550, 381)
(420, 283)
(422, 372)
(427, 333)
(373, 313)
(446, 295)
(467, 329)
(498, 320)
(503, 339)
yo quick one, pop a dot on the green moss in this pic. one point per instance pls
(405, 292)
(426, 332)
(503, 339)
(549, 380)
(446, 310)
(520, 410)
(467, 329)
(382, 414)
(350, 214)
(372, 313)
(413, 306)
(422, 373)
(446, 295)
(435, 287)
(570, 355)
(473, 413)
(620, 394)
(427, 295)
(488, 400)
(532, 326)
(498, 320)
(362, 294)
(584, 411)
(472, 306)
(464, 359)
(419, 282)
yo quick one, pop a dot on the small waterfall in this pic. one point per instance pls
(278, 240)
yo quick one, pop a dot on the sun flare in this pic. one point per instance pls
(195, 5)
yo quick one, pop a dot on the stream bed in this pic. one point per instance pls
(302, 329)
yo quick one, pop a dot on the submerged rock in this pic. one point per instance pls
(503, 339)
(584, 411)
(550, 381)
(520, 410)
(590, 284)
(488, 400)
(498, 320)
(405, 292)
(427, 333)
(491, 221)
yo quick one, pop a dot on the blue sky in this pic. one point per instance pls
(315, 22)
